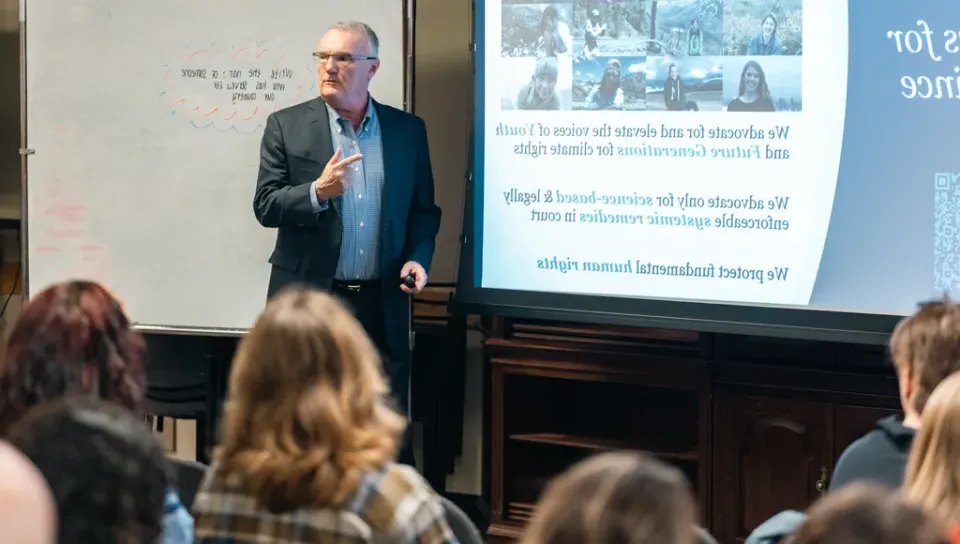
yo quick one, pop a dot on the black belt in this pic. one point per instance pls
(345, 286)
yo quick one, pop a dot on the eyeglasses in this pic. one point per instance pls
(341, 59)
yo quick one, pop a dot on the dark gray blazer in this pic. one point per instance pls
(295, 147)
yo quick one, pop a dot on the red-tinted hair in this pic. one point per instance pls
(72, 338)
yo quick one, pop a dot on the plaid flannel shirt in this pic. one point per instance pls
(395, 505)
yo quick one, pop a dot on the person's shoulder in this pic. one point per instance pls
(871, 457)
(390, 114)
(177, 521)
(860, 448)
(396, 499)
(295, 111)
(218, 483)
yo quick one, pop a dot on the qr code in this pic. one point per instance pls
(946, 233)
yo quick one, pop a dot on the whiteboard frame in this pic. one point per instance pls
(408, 32)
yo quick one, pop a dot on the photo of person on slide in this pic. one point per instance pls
(536, 30)
(609, 27)
(694, 39)
(760, 28)
(685, 27)
(593, 28)
(537, 80)
(607, 83)
(684, 84)
(773, 86)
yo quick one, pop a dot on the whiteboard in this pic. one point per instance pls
(144, 122)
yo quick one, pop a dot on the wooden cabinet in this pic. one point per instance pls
(754, 437)
(772, 454)
(553, 404)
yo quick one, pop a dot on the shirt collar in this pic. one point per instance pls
(368, 118)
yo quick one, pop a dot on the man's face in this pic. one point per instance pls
(673, 72)
(344, 79)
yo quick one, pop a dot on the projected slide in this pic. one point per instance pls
(796, 152)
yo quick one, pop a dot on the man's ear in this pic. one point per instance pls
(906, 382)
(374, 66)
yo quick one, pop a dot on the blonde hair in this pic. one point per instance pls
(932, 478)
(614, 498)
(306, 414)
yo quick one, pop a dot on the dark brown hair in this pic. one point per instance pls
(106, 469)
(615, 498)
(71, 338)
(927, 344)
(863, 513)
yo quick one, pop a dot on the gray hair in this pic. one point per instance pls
(363, 28)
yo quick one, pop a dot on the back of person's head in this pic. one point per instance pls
(925, 348)
(107, 470)
(615, 498)
(71, 338)
(933, 475)
(862, 513)
(306, 413)
(28, 513)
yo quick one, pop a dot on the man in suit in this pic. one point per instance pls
(348, 185)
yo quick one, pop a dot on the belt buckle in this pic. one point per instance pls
(353, 287)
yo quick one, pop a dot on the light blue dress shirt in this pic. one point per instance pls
(360, 204)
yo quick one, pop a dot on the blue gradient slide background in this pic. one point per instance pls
(879, 253)
(894, 232)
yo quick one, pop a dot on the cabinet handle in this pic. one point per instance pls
(822, 482)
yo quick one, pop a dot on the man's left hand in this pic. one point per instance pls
(413, 268)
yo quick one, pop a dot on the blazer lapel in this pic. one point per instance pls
(391, 141)
(320, 133)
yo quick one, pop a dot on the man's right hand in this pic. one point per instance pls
(335, 177)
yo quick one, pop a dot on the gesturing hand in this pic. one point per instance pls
(333, 181)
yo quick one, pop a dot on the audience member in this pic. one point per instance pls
(868, 513)
(933, 476)
(777, 528)
(74, 338)
(925, 348)
(28, 513)
(615, 498)
(309, 438)
(107, 470)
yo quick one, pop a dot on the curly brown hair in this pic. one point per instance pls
(71, 338)
(306, 414)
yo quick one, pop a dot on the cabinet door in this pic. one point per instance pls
(770, 455)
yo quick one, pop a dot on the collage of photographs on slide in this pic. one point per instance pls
(652, 55)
